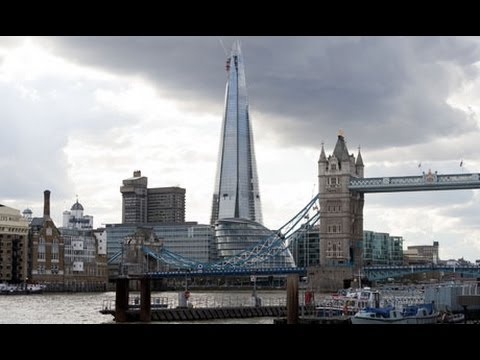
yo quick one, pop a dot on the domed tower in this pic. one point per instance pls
(75, 218)
(28, 214)
(77, 210)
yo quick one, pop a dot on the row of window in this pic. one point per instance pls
(334, 249)
(14, 229)
(54, 269)
(334, 206)
(90, 272)
(333, 181)
(334, 229)
(9, 244)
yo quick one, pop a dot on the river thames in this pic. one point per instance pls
(84, 308)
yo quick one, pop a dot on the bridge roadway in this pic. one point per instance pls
(428, 181)
(384, 272)
(371, 272)
(225, 272)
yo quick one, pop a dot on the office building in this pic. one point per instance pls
(236, 193)
(13, 246)
(142, 205)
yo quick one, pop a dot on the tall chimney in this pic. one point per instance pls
(46, 204)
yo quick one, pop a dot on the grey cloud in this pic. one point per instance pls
(36, 132)
(467, 212)
(420, 199)
(385, 90)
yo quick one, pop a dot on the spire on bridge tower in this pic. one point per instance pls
(341, 151)
(323, 158)
(359, 164)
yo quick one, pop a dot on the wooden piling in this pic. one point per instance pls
(145, 300)
(292, 299)
(121, 299)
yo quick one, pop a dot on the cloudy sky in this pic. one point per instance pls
(80, 114)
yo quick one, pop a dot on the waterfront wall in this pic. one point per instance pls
(328, 278)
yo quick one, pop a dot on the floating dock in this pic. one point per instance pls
(193, 314)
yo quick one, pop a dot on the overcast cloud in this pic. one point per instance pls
(79, 114)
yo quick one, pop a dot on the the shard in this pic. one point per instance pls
(236, 208)
(236, 193)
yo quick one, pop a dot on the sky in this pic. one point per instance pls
(80, 114)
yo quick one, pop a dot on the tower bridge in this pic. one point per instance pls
(338, 213)
(243, 243)
(342, 189)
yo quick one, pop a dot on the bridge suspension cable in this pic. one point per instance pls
(275, 244)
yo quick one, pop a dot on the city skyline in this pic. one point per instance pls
(81, 113)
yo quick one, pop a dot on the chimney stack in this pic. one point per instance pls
(46, 204)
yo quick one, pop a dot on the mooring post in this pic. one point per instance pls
(145, 300)
(121, 299)
(292, 299)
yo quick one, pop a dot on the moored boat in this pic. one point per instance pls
(348, 303)
(21, 289)
(412, 314)
(449, 318)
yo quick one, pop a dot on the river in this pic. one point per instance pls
(83, 308)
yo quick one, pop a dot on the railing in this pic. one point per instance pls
(428, 181)
(471, 289)
(221, 301)
(381, 272)
(134, 302)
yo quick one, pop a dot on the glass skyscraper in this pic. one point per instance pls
(236, 193)
(236, 208)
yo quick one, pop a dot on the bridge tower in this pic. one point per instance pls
(341, 217)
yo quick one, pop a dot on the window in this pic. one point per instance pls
(54, 269)
(41, 249)
(334, 249)
(334, 228)
(55, 249)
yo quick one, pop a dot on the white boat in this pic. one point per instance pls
(449, 318)
(348, 303)
(412, 314)
(20, 289)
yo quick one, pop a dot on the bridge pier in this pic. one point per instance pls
(329, 278)
(121, 299)
(145, 300)
(292, 299)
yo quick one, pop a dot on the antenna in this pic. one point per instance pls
(223, 46)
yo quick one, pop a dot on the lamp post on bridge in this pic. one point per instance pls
(256, 300)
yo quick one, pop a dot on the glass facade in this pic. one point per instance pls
(236, 193)
(306, 249)
(382, 249)
(236, 235)
(190, 239)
